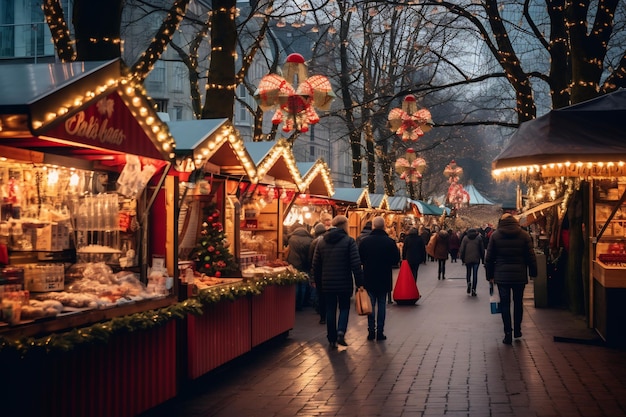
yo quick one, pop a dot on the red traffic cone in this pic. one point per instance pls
(405, 291)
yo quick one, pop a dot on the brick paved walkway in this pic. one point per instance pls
(443, 357)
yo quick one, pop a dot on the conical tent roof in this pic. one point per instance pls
(476, 198)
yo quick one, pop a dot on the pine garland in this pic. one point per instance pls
(102, 332)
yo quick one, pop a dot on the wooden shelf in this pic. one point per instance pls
(258, 229)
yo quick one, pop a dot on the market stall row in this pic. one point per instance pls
(89, 245)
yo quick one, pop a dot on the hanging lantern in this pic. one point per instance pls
(296, 96)
(409, 122)
(410, 167)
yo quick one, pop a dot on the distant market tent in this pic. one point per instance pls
(476, 198)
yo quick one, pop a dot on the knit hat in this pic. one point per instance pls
(319, 229)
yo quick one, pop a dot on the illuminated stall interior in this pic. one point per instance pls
(266, 205)
(83, 159)
(214, 167)
(313, 202)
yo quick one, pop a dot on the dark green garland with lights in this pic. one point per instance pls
(102, 332)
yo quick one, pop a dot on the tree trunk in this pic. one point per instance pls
(220, 93)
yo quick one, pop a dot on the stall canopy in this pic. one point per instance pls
(398, 203)
(316, 179)
(429, 209)
(275, 163)
(85, 110)
(355, 197)
(379, 201)
(213, 144)
(476, 198)
(576, 136)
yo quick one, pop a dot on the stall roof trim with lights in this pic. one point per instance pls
(275, 163)
(358, 197)
(379, 201)
(316, 178)
(80, 109)
(583, 140)
(426, 209)
(213, 142)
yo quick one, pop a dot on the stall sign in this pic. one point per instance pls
(107, 124)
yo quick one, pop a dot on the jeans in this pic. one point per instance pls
(472, 274)
(334, 326)
(301, 290)
(376, 320)
(505, 305)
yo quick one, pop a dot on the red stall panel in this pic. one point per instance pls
(273, 312)
(125, 376)
(221, 334)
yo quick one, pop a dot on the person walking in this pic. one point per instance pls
(299, 243)
(414, 251)
(472, 253)
(425, 234)
(365, 232)
(337, 264)
(509, 260)
(454, 243)
(318, 232)
(440, 252)
(379, 254)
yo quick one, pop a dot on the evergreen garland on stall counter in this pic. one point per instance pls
(102, 332)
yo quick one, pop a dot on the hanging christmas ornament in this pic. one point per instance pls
(410, 167)
(296, 96)
(457, 196)
(409, 122)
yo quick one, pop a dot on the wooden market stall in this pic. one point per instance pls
(577, 154)
(84, 159)
(245, 182)
(355, 204)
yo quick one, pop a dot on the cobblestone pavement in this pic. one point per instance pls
(444, 356)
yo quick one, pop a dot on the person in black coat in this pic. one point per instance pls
(299, 243)
(379, 254)
(336, 263)
(318, 232)
(472, 252)
(509, 260)
(414, 251)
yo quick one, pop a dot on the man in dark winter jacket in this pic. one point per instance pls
(367, 229)
(379, 254)
(509, 260)
(336, 263)
(299, 244)
(472, 252)
(414, 251)
(318, 232)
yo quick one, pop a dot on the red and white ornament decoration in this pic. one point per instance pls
(409, 122)
(410, 167)
(457, 196)
(294, 96)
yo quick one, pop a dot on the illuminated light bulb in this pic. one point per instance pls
(149, 120)
(136, 101)
(74, 179)
(143, 112)
(205, 151)
(78, 101)
(211, 145)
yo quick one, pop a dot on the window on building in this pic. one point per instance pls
(161, 104)
(242, 112)
(178, 112)
(312, 152)
(180, 74)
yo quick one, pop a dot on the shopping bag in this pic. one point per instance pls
(494, 299)
(362, 302)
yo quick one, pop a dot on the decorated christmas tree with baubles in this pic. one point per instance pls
(212, 255)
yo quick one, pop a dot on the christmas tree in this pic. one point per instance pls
(212, 256)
